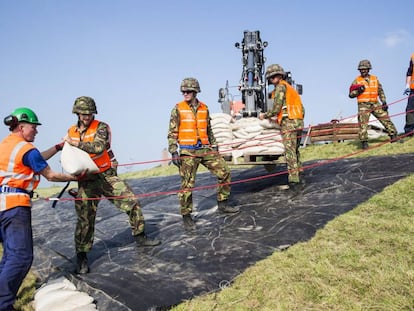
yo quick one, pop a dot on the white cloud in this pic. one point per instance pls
(395, 38)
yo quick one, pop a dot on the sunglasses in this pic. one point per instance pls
(187, 92)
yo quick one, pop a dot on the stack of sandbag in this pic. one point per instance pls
(246, 135)
(221, 127)
(61, 295)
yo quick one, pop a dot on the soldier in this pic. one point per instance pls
(21, 165)
(409, 90)
(367, 88)
(94, 137)
(190, 133)
(287, 106)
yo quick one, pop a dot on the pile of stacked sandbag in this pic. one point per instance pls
(221, 126)
(246, 135)
(61, 295)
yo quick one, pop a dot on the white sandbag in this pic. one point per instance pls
(253, 150)
(224, 135)
(59, 283)
(266, 123)
(74, 160)
(54, 300)
(254, 128)
(221, 115)
(220, 125)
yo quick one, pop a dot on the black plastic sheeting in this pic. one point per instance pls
(187, 264)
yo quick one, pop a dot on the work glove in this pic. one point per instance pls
(176, 159)
(384, 106)
(215, 148)
(361, 89)
(59, 146)
(407, 91)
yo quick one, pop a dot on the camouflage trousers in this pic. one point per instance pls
(109, 185)
(214, 162)
(364, 112)
(292, 135)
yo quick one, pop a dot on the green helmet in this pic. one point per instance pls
(21, 115)
(84, 105)
(190, 84)
(25, 115)
(273, 70)
(364, 64)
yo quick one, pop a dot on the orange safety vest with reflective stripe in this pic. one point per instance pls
(370, 95)
(412, 74)
(192, 127)
(102, 160)
(293, 108)
(13, 173)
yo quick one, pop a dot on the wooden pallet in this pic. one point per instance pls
(334, 131)
(263, 158)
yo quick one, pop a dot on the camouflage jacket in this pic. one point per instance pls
(279, 100)
(174, 125)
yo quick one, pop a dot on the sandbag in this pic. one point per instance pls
(74, 160)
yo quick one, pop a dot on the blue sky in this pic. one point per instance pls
(132, 55)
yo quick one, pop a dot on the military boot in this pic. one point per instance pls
(295, 186)
(225, 208)
(364, 145)
(394, 138)
(142, 240)
(82, 267)
(189, 223)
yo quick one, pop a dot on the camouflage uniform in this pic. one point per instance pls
(376, 108)
(291, 134)
(204, 155)
(107, 184)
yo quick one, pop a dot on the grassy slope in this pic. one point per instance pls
(361, 260)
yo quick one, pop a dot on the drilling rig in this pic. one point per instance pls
(252, 84)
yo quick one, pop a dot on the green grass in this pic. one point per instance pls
(362, 260)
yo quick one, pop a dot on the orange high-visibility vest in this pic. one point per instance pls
(293, 108)
(13, 173)
(102, 160)
(192, 127)
(412, 74)
(370, 95)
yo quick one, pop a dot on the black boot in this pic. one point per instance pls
(189, 223)
(82, 267)
(225, 208)
(295, 186)
(364, 145)
(142, 240)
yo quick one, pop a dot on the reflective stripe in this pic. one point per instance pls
(370, 93)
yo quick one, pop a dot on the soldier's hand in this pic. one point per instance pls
(176, 159)
(215, 148)
(82, 175)
(407, 91)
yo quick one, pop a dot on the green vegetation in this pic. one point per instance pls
(361, 260)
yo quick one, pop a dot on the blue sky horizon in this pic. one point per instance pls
(131, 57)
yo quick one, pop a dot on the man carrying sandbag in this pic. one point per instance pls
(21, 165)
(94, 137)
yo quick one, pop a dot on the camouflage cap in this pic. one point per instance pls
(273, 70)
(84, 105)
(190, 84)
(364, 64)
